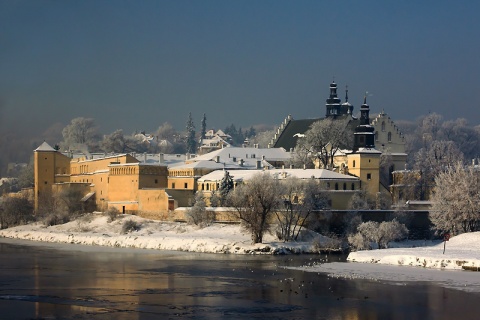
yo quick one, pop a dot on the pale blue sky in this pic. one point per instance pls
(133, 65)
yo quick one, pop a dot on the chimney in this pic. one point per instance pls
(217, 159)
(144, 157)
(161, 158)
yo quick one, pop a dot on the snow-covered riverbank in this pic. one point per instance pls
(461, 251)
(96, 230)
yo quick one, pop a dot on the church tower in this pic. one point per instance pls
(364, 162)
(333, 102)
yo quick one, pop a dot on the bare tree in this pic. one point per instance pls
(300, 199)
(15, 211)
(456, 200)
(325, 138)
(432, 159)
(255, 202)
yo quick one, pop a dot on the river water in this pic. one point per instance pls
(52, 281)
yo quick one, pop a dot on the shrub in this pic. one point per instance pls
(129, 226)
(56, 218)
(112, 214)
(15, 211)
(377, 233)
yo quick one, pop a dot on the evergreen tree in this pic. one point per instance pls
(226, 185)
(204, 127)
(191, 143)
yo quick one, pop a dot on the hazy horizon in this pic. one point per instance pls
(135, 65)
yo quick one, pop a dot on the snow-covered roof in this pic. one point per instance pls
(240, 175)
(368, 150)
(44, 147)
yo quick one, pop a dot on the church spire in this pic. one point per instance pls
(365, 112)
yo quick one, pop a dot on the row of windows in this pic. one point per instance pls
(352, 187)
(124, 170)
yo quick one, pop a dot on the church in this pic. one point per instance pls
(378, 137)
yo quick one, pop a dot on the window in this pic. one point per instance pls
(369, 176)
(336, 186)
(185, 185)
(353, 186)
(344, 186)
(173, 185)
(328, 185)
(376, 135)
(353, 164)
(156, 181)
(383, 125)
(389, 137)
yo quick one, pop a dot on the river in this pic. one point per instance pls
(58, 281)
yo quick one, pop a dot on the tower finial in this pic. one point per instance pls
(346, 93)
(365, 98)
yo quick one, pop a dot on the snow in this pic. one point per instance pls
(461, 251)
(96, 230)
(413, 261)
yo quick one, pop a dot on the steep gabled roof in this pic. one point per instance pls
(290, 134)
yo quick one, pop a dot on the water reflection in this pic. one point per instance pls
(48, 282)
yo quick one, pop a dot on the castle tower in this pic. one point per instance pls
(364, 162)
(50, 166)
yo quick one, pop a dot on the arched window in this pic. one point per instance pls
(353, 186)
(344, 186)
(336, 186)
(383, 125)
(389, 137)
(376, 135)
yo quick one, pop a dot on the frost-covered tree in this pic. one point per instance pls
(81, 133)
(456, 200)
(300, 199)
(114, 142)
(198, 214)
(190, 139)
(255, 202)
(226, 185)
(380, 234)
(435, 157)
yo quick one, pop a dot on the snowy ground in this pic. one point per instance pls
(96, 230)
(461, 251)
(422, 261)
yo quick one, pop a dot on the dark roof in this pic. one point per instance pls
(287, 138)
